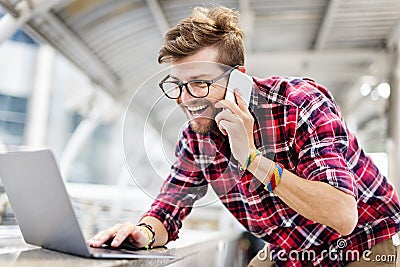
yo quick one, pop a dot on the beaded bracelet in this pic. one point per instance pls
(151, 240)
(275, 177)
(250, 158)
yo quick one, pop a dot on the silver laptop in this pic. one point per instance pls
(43, 209)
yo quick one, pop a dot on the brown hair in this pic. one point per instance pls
(205, 27)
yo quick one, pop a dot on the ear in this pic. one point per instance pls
(242, 69)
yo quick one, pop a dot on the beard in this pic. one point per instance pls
(205, 121)
(203, 125)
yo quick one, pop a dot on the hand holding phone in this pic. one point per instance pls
(240, 81)
(238, 123)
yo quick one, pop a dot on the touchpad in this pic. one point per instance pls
(124, 245)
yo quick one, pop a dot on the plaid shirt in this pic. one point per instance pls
(298, 124)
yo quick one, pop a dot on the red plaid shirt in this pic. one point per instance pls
(298, 124)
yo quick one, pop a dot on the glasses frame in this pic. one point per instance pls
(182, 84)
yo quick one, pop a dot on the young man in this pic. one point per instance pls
(286, 165)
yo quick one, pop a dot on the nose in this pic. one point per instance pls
(185, 96)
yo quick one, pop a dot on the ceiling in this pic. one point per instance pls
(340, 43)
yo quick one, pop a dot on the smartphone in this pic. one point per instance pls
(242, 82)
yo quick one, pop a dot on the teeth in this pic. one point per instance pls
(196, 108)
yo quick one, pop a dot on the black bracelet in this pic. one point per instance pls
(148, 226)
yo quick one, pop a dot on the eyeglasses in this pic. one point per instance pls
(196, 88)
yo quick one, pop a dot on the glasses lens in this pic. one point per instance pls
(171, 89)
(198, 88)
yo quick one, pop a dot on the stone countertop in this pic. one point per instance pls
(194, 248)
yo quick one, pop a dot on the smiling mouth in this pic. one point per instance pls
(197, 110)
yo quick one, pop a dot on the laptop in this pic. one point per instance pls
(44, 211)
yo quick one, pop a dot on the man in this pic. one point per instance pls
(296, 176)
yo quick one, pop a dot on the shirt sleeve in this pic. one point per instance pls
(184, 185)
(322, 143)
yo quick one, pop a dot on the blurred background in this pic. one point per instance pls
(69, 69)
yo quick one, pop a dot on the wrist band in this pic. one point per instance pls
(275, 177)
(269, 174)
(250, 158)
(151, 240)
